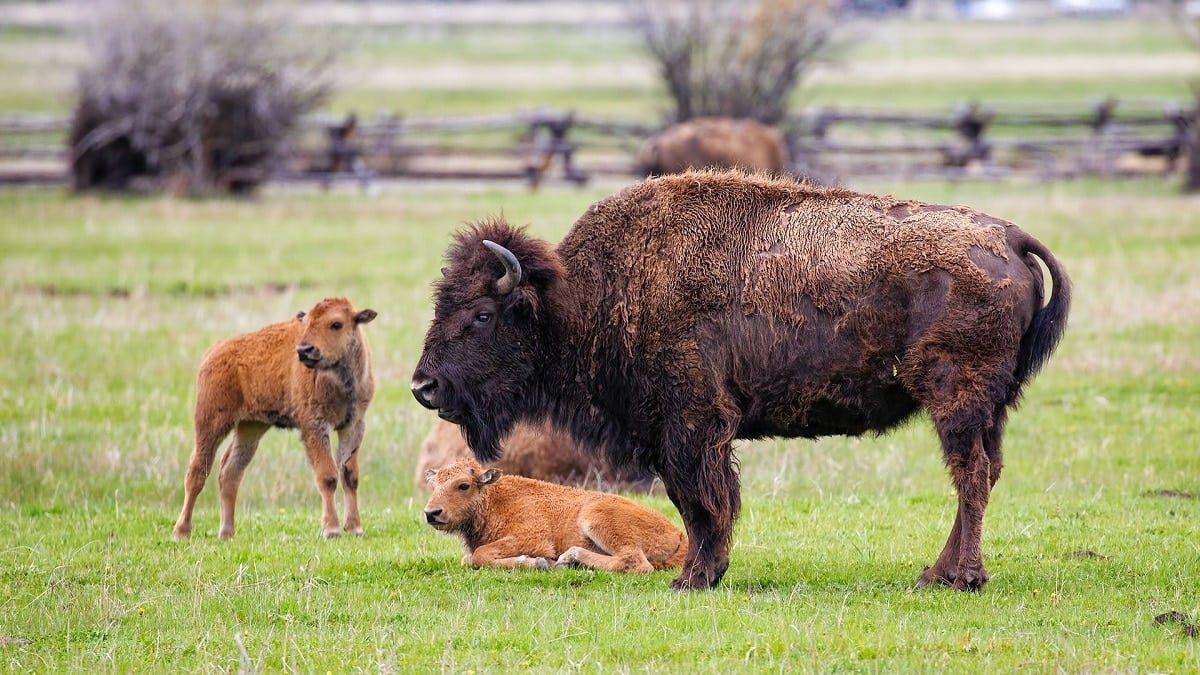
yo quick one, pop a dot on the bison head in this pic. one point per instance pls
(487, 338)
(330, 332)
(457, 490)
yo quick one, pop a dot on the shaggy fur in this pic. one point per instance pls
(535, 451)
(510, 521)
(714, 142)
(690, 310)
(311, 373)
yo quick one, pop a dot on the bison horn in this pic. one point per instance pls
(512, 268)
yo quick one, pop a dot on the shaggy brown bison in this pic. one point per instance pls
(313, 372)
(714, 142)
(690, 310)
(511, 521)
(535, 451)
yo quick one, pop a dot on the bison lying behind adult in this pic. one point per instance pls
(536, 451)
(717, 143)
(690, 310)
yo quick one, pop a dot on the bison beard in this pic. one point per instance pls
(687, 311)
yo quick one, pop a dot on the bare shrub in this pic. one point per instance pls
(734, 58)
(197, 94)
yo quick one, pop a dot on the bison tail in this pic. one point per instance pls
(1048, 323)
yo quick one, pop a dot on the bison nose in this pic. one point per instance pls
(432, 514)
(425, 389)
(305, 351)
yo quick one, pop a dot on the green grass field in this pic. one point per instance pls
(107, 304)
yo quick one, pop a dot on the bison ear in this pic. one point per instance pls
(445, 272)
(365, 316)
(300, 315)
(429, 474)
(488, 476)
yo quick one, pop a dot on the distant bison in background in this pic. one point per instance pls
(534, 451)
(512, 521)
(688, 311)
(714, 142)
(311, 373)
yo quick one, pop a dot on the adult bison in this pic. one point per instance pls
(714, 142)
(690, 310)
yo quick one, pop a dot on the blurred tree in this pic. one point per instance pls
(196, 94)
(735, 58)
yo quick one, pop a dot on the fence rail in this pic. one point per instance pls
(1109, 137)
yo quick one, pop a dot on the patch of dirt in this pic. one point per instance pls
(1087, 554)
(177, 289)
(1177, 494)
(5, 641)
(1189, 629)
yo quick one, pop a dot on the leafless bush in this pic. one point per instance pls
(735, 58)
(198, 94)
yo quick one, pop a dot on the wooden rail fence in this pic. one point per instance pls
(1109, 137)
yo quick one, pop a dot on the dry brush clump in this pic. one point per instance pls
(199, 95)
(734, 58)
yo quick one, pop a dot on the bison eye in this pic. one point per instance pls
(336, 325)
(464, 486)
(483, 317)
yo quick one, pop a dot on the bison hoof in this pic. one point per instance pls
(356, 531)
(932, 575)
(691, 582)
(541, 564)
(225, 534)
(181, 534)
(331, 533)
(970, 580)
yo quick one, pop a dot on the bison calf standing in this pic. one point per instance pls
(510, 521)
(312, 373)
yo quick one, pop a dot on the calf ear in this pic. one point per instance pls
(429, 474)
(300, 315)
(445, 272)
(365, 316)
(488, 476)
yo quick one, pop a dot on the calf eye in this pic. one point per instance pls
(483, 317)
(336, 325)
(464, 486)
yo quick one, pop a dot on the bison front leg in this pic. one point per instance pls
(349, 440)
(316, 444)
(705, 487)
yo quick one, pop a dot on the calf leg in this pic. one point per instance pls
(349, 440)
(629, 559)
(233, 464)
(508, 552)
(316, 443)
(210, 431)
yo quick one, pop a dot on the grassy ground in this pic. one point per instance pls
(106, 306)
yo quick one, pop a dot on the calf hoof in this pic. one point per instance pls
(541, 564)
(225, 534)
(181, 535)
(356, 531)
(568, 558)
(331, 533)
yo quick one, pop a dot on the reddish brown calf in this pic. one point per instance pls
(312, 373)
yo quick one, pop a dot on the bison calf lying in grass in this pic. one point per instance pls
(510, 521)
(535, 451)
(312, 373)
